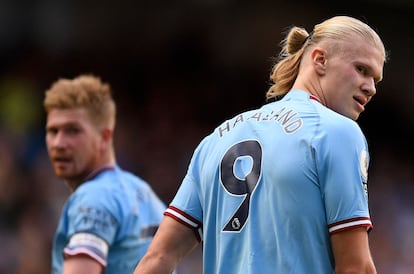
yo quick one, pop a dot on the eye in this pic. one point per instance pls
(72, 130)
(361, 69)
(51, 131)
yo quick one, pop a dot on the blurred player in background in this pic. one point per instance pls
(283, 188)
(110, 218)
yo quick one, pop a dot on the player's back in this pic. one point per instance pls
(263, 211)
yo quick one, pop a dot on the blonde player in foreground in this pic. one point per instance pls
(283, 188)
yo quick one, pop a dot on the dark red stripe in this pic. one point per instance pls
(314, 98)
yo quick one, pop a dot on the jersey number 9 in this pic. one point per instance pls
(240, 173)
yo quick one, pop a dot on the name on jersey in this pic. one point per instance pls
(287, 118)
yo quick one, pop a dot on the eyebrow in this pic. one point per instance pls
(65, 124)
(371, 71)
(377, 79)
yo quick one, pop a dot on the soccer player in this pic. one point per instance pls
(111, 216)
(283, 188)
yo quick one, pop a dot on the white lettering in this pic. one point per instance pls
(284, 117)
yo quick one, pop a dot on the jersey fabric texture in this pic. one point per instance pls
(111, 218)
(267, 188)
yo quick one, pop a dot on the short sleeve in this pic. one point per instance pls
(91, 225)
(186, 206)
(342, 162)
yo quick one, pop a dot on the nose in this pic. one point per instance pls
(369, 87)
(58, 140)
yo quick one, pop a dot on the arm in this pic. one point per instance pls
(171, 243)
(351, 252)
(81, 264)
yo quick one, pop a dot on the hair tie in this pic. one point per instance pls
(308, 38)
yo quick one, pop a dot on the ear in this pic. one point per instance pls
(106, 134)
(319, 60)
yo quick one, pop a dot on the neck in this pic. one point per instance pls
(107, 163)
(312, 87)
(73, 184)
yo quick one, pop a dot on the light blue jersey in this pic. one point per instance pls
(267, 188)
(111, 218)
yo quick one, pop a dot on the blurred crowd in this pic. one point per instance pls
(156, 141)
(173, 84)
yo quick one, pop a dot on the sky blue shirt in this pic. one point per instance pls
(111, 218)
(267, 188)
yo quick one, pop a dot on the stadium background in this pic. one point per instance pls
(178, 68)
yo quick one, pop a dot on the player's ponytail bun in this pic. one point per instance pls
(284, 73)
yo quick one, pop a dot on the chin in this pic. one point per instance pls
(353, 115)
(63, 174)
(356, 116)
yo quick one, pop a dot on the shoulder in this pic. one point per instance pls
(336, 125)
(104, 187)
(91, 194)
(339, 137)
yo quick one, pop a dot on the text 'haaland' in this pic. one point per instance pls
(285, 117)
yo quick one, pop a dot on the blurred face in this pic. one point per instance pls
(350, 78)
(73, 143)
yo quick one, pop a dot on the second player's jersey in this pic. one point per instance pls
(267, 188)
(111, 218)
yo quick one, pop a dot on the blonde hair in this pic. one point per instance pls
(336, 29)
(84, 91)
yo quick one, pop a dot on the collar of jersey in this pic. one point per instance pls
(98, 171)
